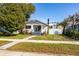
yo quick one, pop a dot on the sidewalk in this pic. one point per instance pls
(43, 41)
(15, 53)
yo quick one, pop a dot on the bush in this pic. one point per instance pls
(72, 34)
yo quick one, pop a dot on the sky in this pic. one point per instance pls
(56, 12)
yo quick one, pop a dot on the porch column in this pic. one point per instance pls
(32, 28)
(41, 28)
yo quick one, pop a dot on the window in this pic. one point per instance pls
(28, 27)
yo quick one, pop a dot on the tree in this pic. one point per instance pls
(64, 24)
(13, 16)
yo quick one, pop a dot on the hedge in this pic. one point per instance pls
(72, 34)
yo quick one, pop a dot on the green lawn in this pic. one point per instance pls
(19, 36)
(3, 42)
(67, 49)
(52, 37)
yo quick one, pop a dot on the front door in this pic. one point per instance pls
(37, 28)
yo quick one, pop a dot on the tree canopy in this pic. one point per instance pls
(14, 15)
(73, 18)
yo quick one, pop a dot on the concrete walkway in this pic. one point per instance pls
(16, 53)
(43, 41)
(8, 45)
(13, 43)
(29, 37)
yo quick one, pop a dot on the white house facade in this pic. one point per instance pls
(35, 27)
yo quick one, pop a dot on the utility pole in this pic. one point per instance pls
(48, 26)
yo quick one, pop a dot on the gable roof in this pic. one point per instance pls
(35, 22)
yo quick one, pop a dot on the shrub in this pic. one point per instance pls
(72, 34)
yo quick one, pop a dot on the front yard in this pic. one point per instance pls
(41, 37)
(4, 42)
(19, 36)
(52, 37)
(67, 49)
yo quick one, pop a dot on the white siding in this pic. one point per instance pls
(55, 31)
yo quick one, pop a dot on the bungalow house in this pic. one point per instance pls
(35, 27)
(38, 27)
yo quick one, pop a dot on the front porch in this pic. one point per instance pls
(37, 29)
(34, 29)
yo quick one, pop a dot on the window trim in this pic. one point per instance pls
(28, 27)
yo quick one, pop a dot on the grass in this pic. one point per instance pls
(52, 37)
(19, 36)
(3, 42)
(67, 49)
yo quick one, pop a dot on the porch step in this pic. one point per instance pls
(36, 33)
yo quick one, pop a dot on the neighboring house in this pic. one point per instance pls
(3, 30)
(37, 27)
(70, 25)
(55, 29)
(7, 32)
